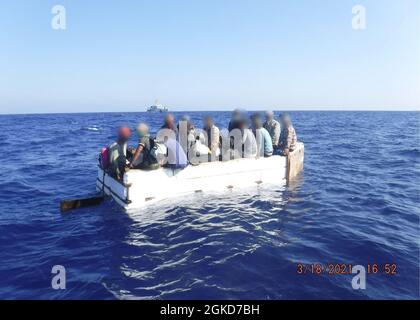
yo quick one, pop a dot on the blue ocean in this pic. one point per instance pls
(356, 202)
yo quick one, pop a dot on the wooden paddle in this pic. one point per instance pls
(67, 205)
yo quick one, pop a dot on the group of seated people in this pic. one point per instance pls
(179, 145)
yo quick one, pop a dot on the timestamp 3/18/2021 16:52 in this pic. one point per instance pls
(345, 268)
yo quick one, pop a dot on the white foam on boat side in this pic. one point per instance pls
(152, 186)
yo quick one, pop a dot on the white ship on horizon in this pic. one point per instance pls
(157, 107)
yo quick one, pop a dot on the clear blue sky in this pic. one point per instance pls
(208, 55)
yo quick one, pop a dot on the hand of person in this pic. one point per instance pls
(286, 152)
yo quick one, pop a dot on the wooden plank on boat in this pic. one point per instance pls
(295, 162)
(67, 205)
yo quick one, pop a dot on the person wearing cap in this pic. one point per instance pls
(118, 153)
(288, 138)
(143, 158)
(273, 127)
(264, 141)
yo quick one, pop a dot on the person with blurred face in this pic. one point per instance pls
(143, 158)
(176, 142)
(288, 138)
(213, 137)
(235, 120)
(249, 143)
(263, 138)
(118, 153)
(273, 127)
(169, 123)
(186, 131)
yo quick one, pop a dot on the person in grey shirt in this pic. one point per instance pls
(273, 128)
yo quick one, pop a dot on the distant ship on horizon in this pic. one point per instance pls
(157, 107)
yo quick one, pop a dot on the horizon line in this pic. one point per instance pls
(332, 109)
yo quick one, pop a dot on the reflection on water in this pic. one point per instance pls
(187, 235)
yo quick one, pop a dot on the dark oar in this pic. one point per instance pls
(67, 205)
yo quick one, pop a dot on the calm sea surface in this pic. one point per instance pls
(357, 202)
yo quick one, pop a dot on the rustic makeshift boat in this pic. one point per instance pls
(141, 188)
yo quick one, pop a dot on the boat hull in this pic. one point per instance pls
(141, 188)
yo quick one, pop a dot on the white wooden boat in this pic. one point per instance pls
(141, 188)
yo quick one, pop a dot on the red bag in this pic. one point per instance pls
(104, 158)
